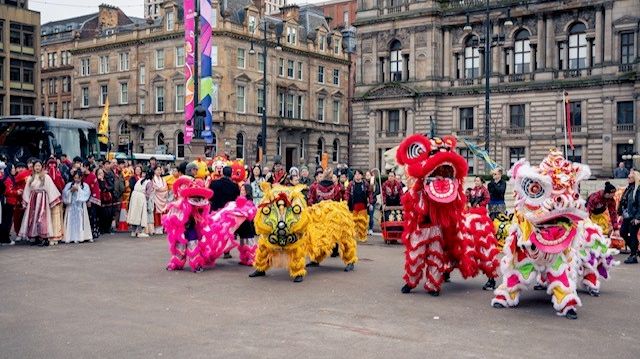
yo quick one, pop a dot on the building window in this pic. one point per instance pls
(52, 87)
(522, 54)
(562, 48)
(240, 99)
(290, 68)
(20, 106)
(65, 110)
(336, 77)
(575, 154)
(260, 101)
(577, 47)
(52, 109)
(626, 48)
(299, 70)
(85, 97)
(289, 105)
(142, 105)
(320, 149)
(180, 145)
(625, 113)
(335, 154)
(394, 121)
(124, 61)
(291, 35)
(251, 24)
(471, 58)
(300, 106)
(515, 154)
(278, 146)
(321, 41)
(469, 157)
(159, 59)
(239, 145)
(240, 58)
(280, 67)
(85, 67)
(303, 146)
(336, 46)
(179, 56)
(575, 114)
(170, 21)
(51, 59)
(66, 84)
(104, 65)
(180, 98)
(281, 103)
(516, 120)
(320, 117)
(321, 74)
(124, 93)
(396, 61)
(65, 58)
(142, 75)
(260, 62)
(345, 18)
(159, 99)
(466, 119)
(336, 111)
(104, 94)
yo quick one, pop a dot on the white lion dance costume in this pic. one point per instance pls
(197, 235)
(552, 241)
(439, 235)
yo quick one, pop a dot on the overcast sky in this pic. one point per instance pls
(52, 10)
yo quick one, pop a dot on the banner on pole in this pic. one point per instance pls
(189, 43)
(206, 81)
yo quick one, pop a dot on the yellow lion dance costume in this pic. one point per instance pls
(290, 231)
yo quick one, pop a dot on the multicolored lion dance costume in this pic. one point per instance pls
(552, 241)
(438, 236)
(195, 234)
(289, 231)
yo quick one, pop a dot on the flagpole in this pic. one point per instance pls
(564, 120)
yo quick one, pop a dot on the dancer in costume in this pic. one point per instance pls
(438, 236)
(552, 242)
(602, 208)
(77, 227)
(289, 231)
(358, 196)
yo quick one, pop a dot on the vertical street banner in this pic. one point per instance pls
(206, 80)
(189, 58)
(103, 127)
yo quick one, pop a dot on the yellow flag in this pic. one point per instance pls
(103, 127)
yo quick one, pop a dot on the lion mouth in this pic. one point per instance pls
(554, 234)
(441, 184)
(198, 201)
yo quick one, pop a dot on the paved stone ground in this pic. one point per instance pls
(113, 299)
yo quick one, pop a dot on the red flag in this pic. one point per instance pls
(567, 110)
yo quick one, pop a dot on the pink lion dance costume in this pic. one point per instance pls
(552, 242)
(438, 236)
(195, 234)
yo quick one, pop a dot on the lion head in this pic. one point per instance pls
(282, 215)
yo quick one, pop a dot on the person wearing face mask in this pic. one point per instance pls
(75, 195)
(40, 196)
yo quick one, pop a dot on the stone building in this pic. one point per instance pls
(139, 68)
(422, 63)
(19, 52)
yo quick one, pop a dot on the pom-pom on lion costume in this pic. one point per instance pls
(438, 235)
(552, 242)
(289, 231)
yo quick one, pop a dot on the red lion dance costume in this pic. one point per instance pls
(438, 236)
(195, 234)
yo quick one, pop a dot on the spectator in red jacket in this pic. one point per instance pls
(15, 194)
(325, 189)
(479, 194)
(602, 208)
(391, 190)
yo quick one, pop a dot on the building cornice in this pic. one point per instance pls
(127, 43)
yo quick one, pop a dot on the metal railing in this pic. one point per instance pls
(625, 127)
(625, 67)
(515, 130)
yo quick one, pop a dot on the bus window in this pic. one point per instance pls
(20, 141)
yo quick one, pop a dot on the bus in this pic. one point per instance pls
(23, 137)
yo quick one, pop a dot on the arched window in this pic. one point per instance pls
(239, 145)
(471, 58)
(124, 128)
(160, 139)
(180, 145)
(335, 154)
(577, 47)
(395, 60)
(320, 149)
(522, 53)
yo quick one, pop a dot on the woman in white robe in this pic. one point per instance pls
(77, 227)
(138, 215)
(40, 196)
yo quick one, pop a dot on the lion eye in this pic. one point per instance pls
(532, 188)
(296, 209)
(266, 211)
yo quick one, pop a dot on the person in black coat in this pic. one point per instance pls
(224, 191)
(497, 187)
(631, 217)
